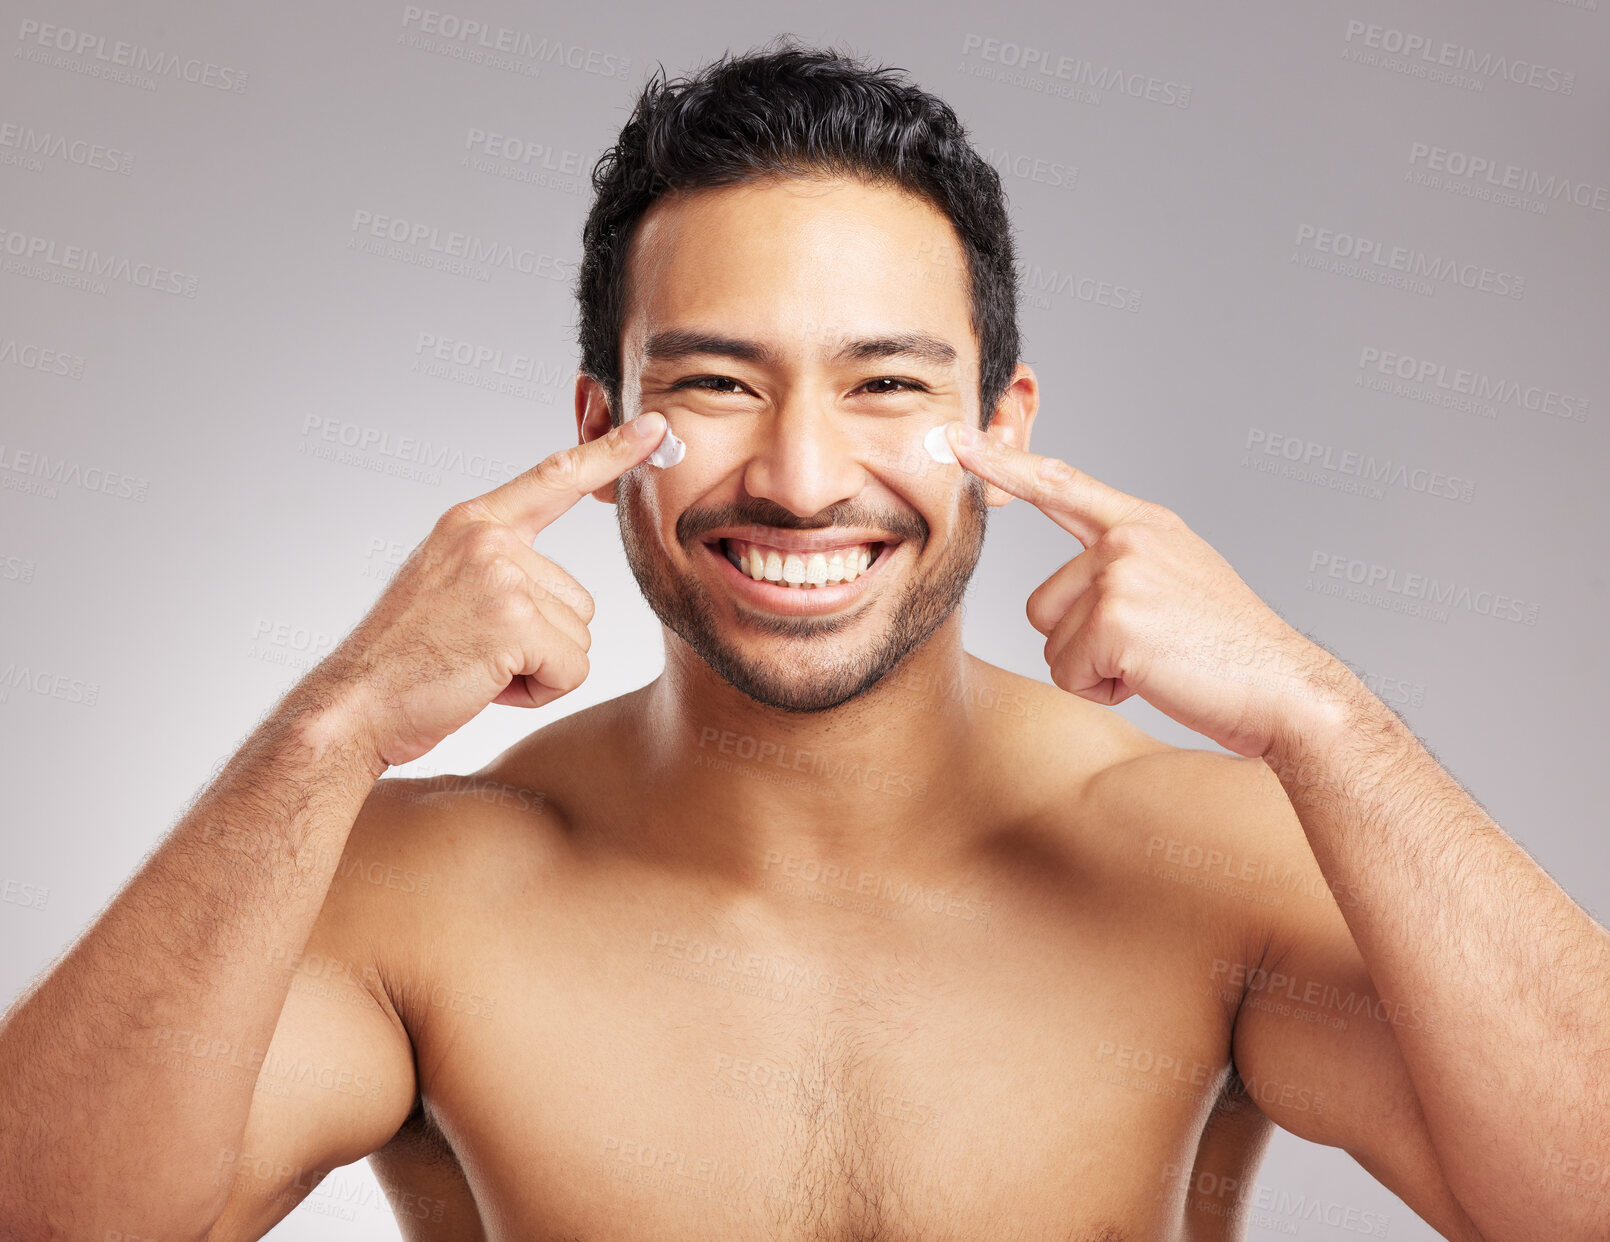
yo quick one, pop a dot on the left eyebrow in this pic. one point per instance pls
(907, 345)
(677, 343)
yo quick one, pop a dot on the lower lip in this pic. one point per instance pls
(797, 601)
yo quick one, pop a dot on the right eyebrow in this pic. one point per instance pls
(676, 343)
(673, 344)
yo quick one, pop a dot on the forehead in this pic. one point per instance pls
(802, 260)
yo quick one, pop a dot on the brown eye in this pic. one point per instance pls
(705, 381)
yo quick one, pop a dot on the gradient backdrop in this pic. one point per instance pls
(1330, 281)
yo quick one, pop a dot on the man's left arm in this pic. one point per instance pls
(1511, 1071)
(1509, 979)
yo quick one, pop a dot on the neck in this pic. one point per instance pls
(741, 788)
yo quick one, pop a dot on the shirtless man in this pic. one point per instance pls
(831, 931)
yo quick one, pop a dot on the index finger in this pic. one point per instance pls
(1080, 503)
(530, 501)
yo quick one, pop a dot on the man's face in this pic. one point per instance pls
(766, 323)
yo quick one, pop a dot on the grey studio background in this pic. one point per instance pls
(1329, 289)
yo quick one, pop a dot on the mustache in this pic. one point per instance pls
(757, 511)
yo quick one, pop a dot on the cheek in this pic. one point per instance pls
(899, 460)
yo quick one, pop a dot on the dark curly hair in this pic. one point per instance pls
(788, 109)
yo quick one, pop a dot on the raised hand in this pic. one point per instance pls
(475, 615)
(1150, 608)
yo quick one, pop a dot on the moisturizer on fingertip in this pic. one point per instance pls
(938, 447)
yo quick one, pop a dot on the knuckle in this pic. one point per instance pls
(513, 608)
(560, 469)
(1110, 614)
(1123, 539)
(1038, 609)
(464, 513)
(1056, 473)
(485, 542)
(502, 573)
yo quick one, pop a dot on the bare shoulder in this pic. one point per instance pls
(1157, 818)
(1215, 831)
(450, 833)
(1057, 744)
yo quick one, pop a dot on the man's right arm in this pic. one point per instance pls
(98, 1132)
(127, 1070)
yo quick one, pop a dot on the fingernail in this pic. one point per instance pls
(967, 434)
(936, 444)
(640, 428)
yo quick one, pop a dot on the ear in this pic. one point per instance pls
(1013, 420)
(592, 421)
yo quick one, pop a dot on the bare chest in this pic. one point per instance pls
(663, 1073)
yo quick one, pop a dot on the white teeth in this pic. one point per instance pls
(805, 570)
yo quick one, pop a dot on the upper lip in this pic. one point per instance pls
(800, 540)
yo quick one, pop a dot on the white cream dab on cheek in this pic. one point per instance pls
(938, 447)
(670, 451)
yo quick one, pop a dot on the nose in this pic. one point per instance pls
(804, 460)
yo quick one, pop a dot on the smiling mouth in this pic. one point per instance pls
(801, 569)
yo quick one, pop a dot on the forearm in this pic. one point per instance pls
(1513, 976)
(105, 1118)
